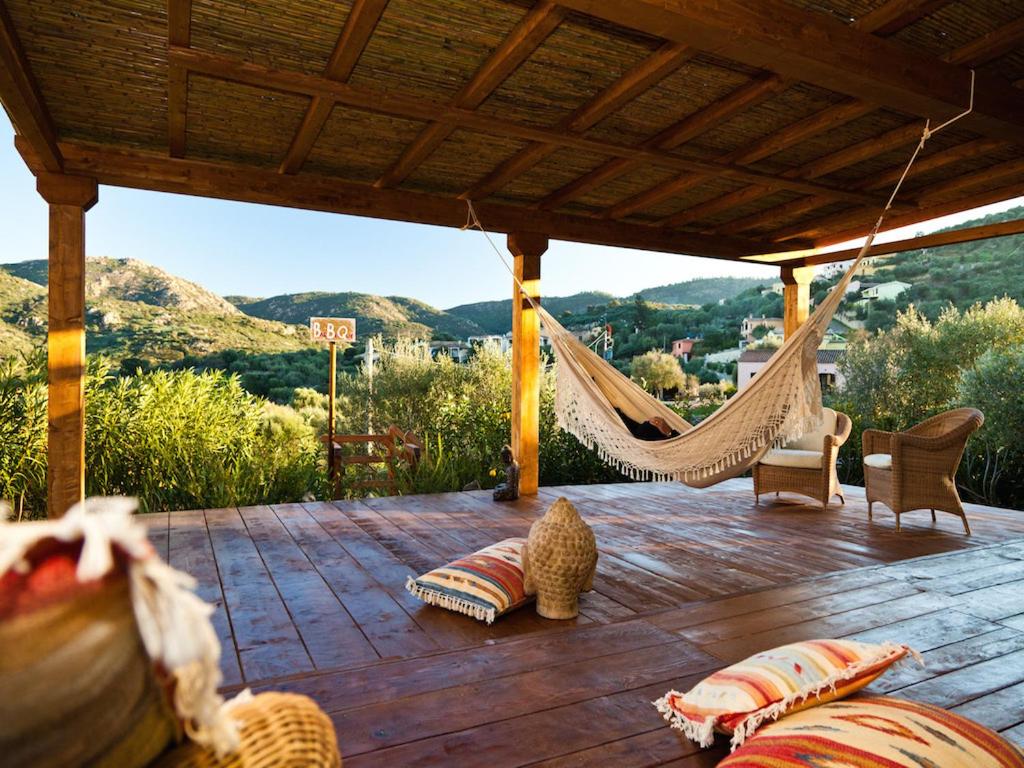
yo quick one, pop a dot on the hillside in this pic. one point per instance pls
(496, 316)
(392, 316)
(702, 290)
(137, 313)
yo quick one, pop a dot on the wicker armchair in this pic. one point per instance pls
(916, 469)
(806, 466)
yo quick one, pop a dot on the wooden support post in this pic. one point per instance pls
(527, 248)
(796, 297)
(69, 198)
(332, 386)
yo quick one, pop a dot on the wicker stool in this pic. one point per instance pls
(278, 730)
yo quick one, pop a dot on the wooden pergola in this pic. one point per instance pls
(717, 128)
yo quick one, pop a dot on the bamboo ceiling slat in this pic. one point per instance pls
(222, 116)
(748, 209)
(102, 66)
(958, 24)
(1009, 67)
(297, 36)
(587, 58)
(433, 48)
(698, 83)
(459, 161)
(708, 189)
(826, 143)
(625, 186)
(550, 174)
(359, 145)
(866, 170)
(790, 106)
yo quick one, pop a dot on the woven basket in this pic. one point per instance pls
(77, 685)
(278, 730)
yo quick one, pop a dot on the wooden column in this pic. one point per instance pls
(527, 248)
(69, 198)
(796, 297)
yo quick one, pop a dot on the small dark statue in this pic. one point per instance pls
(508, 490)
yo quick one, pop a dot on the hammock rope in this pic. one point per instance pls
(779, 405)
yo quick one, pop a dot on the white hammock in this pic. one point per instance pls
(779, 405)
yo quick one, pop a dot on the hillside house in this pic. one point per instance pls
(750, 324)
(885, 291)
(683, 349)
(504, 342)
(751, 361)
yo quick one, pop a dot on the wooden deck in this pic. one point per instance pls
(311, 598)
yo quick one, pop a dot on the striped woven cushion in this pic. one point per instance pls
(739, 698)
(875, 733)
(483, 585)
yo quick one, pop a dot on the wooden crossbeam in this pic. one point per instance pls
(448, 118)
(153, 171)
(973, 53)
(893, 16)
(179, 32)
(524, 39)
(843, 158)
(659, 65)
(20, 95)
(822, 227)
(934, 240)
(355, 34)
(675, 135)
(991, 46)
(887, 19)
(882, 180)
(816, 48)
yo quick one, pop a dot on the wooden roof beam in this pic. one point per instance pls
(934, 240)
(989, 47)
(679, 133)
(22, 99)
(823, 165)
(154, 171)
(179, 32)
(813, 47)
(659, 65)
(355, 34)
(450, 118)
(524, 39)
(825, 227)
(972, 53)
(887, 19)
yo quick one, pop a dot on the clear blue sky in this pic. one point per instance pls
(255, 250)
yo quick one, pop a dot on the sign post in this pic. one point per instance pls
(332, 330)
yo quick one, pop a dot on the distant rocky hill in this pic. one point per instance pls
(392, 316)
(137, 312)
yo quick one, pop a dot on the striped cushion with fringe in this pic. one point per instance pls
(874, 732)
(483, 585)
(736, 700)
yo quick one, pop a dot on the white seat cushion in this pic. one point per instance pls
(812, 441)
(793, 457)
(878, 461)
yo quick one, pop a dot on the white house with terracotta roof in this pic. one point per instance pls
(753, 360)
(885, 291)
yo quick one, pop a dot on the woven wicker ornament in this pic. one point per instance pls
(559, 561)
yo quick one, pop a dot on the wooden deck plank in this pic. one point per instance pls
(157, 531)
(366, 686)
(190, 550)
(268, 642)
(387, 724)
(330, 635)
(386, 625)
